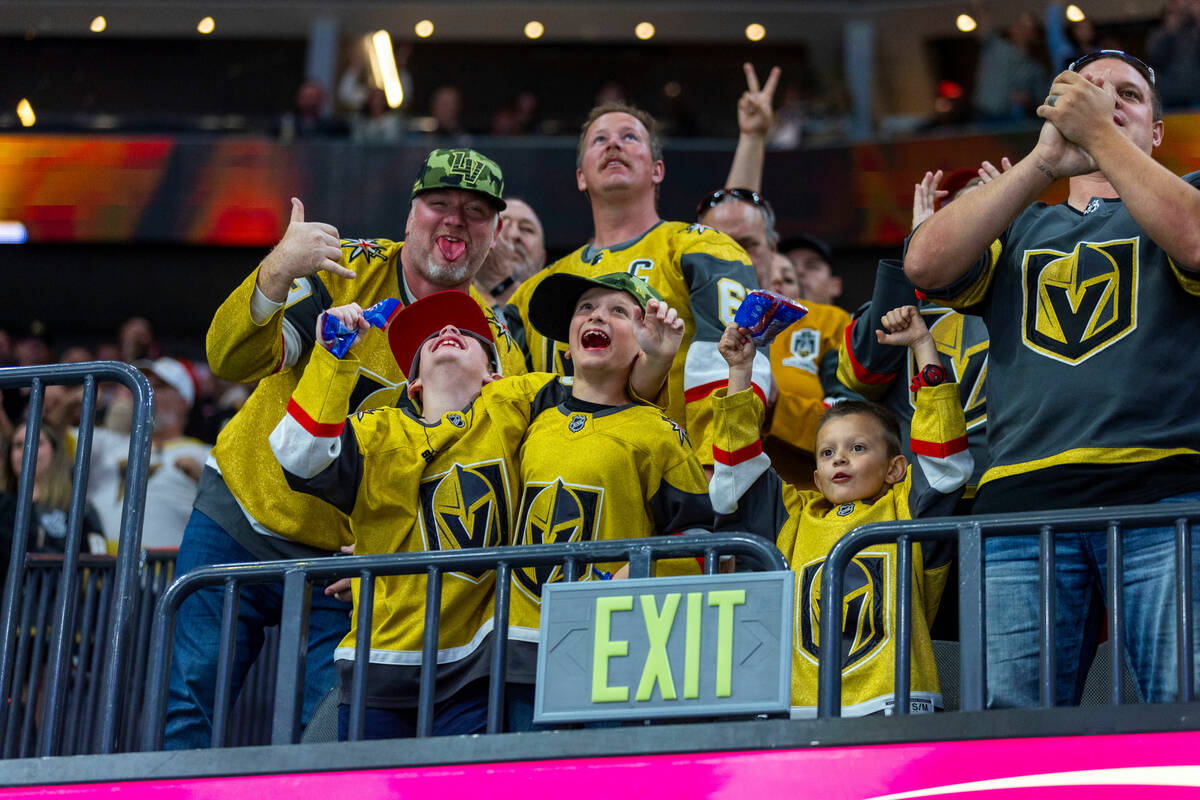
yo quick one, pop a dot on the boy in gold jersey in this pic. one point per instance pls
(443, 477)
(861, 477)
(599, 464)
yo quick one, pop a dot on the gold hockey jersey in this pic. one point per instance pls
(601, 473)
(409, 486)
(805, 526)
(275, 353)
(701, 273)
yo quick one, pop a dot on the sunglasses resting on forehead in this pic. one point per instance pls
(745, 195)
(1145, 69)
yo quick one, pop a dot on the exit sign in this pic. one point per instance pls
(665, 647)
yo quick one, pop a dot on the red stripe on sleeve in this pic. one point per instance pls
(938, 449)
(862, 373)
(321, 430)
(735, 457)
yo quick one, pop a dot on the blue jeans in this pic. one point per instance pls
(464, 713)
(198, 630)
(1081, 564)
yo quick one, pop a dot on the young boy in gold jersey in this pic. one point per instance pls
(861, 477)
(444, 477)
(599, 464)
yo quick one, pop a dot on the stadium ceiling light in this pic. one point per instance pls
(644, 31)
(25, 113)
(755, 32)
(534, 29)
(12, 232)
(1075, 13)
(206, 26)
(98, 25)
(965, 23)
(385, 58)
(424, 29)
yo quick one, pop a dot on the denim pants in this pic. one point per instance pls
(1081, 569)
(198, 629)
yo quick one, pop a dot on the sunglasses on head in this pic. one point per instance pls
(745, 195)
(1145, 69)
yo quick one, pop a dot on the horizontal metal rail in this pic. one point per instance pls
(969, 533)
(297, 574)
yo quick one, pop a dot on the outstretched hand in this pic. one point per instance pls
(306, 248)
(755, 113)
(737, 348)
(989, 173)
(659, 332)
(925, 197)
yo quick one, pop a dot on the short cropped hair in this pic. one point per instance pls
(887, 420)
(644, 117)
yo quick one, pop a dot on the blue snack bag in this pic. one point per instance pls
(337, 338)
(765, 314)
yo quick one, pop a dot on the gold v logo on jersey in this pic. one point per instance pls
(555, 513)
(964, 340)
(1078, 303)
(865, 610)
(374, 391)
(464, 508)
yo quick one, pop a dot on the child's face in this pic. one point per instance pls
(853, 461)
(452, 354)
(603, 329)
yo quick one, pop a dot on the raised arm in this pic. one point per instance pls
(249, 337)
(755, 116)
(1163, 204)
(948, 243)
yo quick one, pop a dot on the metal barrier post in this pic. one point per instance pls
(1183, 610)
(972, 633)
(293, 649)
(16, 559)
(1047, 614)
(1116, 607)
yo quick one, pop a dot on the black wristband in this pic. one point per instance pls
(502, 286)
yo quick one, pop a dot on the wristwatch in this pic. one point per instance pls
(931, 375)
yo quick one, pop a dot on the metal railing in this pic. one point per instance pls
(298, 574)
(61, 620)
(970, 533)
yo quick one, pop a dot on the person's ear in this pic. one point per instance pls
(580, 181)
(491, 376)
(658, 172)
(837, 287)
(896, 470)
(413, 390)
(1159, 130)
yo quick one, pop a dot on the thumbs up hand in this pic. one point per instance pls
(306, 247)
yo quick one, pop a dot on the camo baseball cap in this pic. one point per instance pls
(462, 168)
(553, 302)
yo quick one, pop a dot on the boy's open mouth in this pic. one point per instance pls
(594, 340)
(840, 477)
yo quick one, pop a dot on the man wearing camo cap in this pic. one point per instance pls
(245, 510)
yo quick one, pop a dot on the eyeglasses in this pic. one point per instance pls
(1145, 69)
(745, 195)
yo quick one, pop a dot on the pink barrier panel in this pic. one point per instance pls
(1062, 768)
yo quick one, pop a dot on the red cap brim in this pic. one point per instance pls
(413, 324)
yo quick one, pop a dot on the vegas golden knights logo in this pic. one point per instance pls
(464, 508)
(1078, 303)
(864, 608)
(554, 513)
(964, 340)
(373, 391)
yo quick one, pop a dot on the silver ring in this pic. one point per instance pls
(1051, 100)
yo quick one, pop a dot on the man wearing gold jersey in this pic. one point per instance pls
(265, 331)
(698, 271)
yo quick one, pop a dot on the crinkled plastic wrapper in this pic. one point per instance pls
(337, 338)
(765, 314)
